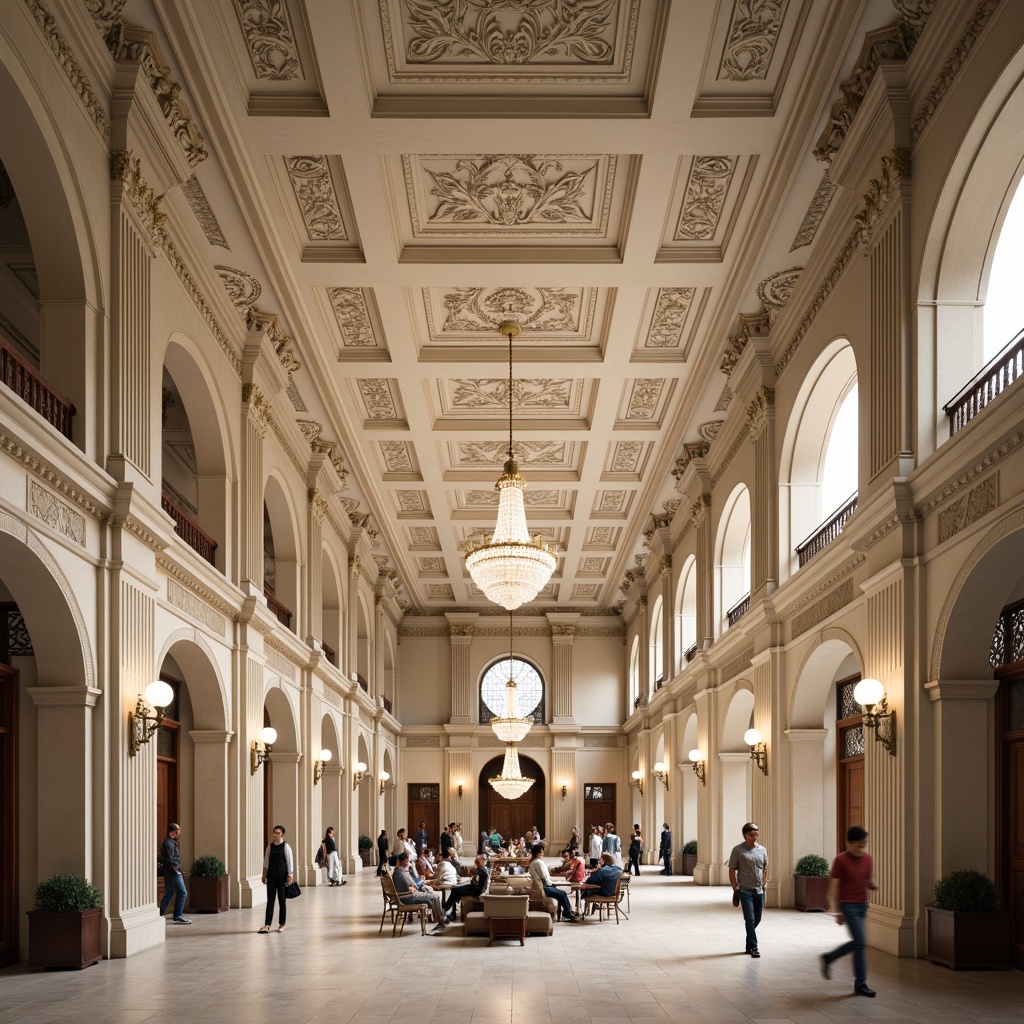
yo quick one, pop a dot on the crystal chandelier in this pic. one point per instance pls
(510, 783)
(510, 566)
(511, 727)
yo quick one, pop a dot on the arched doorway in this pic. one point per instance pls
(512, 817)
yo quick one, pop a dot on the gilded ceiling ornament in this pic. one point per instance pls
(706, 189)
(538, 393)
(353, 320)
(670, 309)
(203, 212)
(815, 213)
(315, 193)
(535, 309)
(243, 289)
(511, 191)
(753, 34)
(643, 399)
(510, 31)
(269, 37)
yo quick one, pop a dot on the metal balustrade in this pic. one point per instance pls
(738, 610)
(827, 532)
(188, 530)
(30, 387)
(992, 381)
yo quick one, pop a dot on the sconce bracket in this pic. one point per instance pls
(700, 770)
(142, 726)
(882, 722)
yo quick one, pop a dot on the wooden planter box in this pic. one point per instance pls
(367, 856)
(687, 862)
(208, 895)
(963, 938)
(69, 939)
(810, 893)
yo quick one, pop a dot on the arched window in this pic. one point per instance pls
(732, 560)
(634, 672)
(686, 613)
(528, 682)
(1003, 315)
(657, 643)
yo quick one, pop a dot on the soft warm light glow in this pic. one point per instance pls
(511, 783)
(326, 755)
(659, 766)
(511, 727)
(637, 775)
(695, 755)
(268, 735)
(384, 776)
(752, 737)
(360, 767)
(868, 692)
(159, 694)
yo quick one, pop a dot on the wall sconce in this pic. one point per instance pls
(144, 721)
(699, 765)
(758, 750)
(565, 787)
(320, 764)
(638, 778)
(384, 777)
(360, 770)
(661, 771)
(459, 785)
(870, 694)
(261, 748)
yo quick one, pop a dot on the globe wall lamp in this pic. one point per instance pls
(359, 768)
(320, 764)
(700, 766)
(145, 720)
(661, 770)
(638, 779)
(261, 747)
(870, 694)
(758, 750)
(459, 785)
(384, 777)
(565, 788)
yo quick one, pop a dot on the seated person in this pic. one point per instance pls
(561, 869)
(603, 878)
(577, 871)
(540, 882)
(423, 868)
(411, 892)
(574, 841)
(476, 887)
(447, 872)
(494, 840)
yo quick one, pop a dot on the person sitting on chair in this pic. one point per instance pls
(409, 893)
(603, 878)
(477, 887)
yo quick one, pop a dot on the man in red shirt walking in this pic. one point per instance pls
(851, 877)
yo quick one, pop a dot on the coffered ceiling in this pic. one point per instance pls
(394, 178)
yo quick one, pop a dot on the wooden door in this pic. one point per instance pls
(425, 805)
(598, 807)
(850, 760)
(8, 816)
(512, 817)
(1010, 820)
(168, 807)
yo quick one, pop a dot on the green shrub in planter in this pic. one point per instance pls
(812, 865)
(208, 867)
(690, 847)
(967, 890)
(61, 893)
(365, 843)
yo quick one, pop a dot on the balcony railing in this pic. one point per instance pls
(387, 704)
(26, 383)
(197, 539)
(994, 378)
(827, 532)
(363, 684)
(640, 702)
(690, 653)
(284, 615)
(659, 683)
(329, 653)
(738, 610)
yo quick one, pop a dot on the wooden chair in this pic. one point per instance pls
(626, 876)
(398, 909)
(604, 904)
(506, 917)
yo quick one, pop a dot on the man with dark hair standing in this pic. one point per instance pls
(446, 840)
(174, 882)
(665, 849)
(421, 838)
(851, 877)
(748, 875)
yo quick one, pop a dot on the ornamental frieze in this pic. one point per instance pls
(968, 509)
(243, 289)
(270, 39)
(815, 213)
(315, 193)
(881, 192)
(753, 33)
(759, 412)
(56, 514)
(706, 189)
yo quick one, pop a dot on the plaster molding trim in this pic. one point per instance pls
(954, 62)
(269, 39)
(66, 59)
(961, 689)
(193, 606)
(56, 514)
(421, 741)
(982, 466)
(815, 214)
(173, 570)
(759, 412)
(899, 518)
(700, 509)
(600, 741)
(278, 658)
(204, 212)
(422, 632)
(811, 595)
(126, 168)
(881, 193)
(968, 509)
(139, 529)
(11, 447)
(832, 602)
(737, 665)
(1013, 522)
(243, 289)
(610, 632)
(31, 540)
(65, 696)
(731, 454)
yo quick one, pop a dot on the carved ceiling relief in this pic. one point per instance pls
(643, 399)
(670, 309)
(423, 536)
(774, 291)
(706, 189)
(626, 456)
(378, 398)
(350, 312)
(611, 501)
(534, 309)
(882, 191)
(513, 192)
(490, 393)
(243, 289)
(204, 214)
(709, 430)
(471, 32)
(315, 193)
(753, 34)
(397, 456)
(412, 501)
(494, 453)
(269, 38)
(815, 213)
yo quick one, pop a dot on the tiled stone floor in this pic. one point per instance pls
(676, 959)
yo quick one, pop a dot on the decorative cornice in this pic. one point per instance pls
(954, 62)
(815, 213)
(460, 630)
(126, 168)
(270, 324)
(815, 592)
(980, 468)
(822, 609)
(270, 39)
(700, 509)
(52, 478)
(56, 514)
(881, 192)
(257, 402)
(692, 450)
(135, 526)
(759, 412)
(736, 445)
(173, 569)
(66, 59)
(751, 326)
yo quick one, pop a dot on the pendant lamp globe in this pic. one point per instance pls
(510, 783)
(510, 566)
(511, 727)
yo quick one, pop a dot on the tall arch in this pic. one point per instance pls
(281, 772)
(281, 559)
(656, 641)
(734, 765)
(732, 555)
(685, 617)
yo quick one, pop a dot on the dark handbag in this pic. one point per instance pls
(292, 890)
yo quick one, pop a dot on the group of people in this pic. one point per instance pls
(850, 880)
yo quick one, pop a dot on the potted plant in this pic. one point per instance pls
(366, 851)
(810, 882)
(688, 857)
(968, 925)
(64, 923)
(208, 886)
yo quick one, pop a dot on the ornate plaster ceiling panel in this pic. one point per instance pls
(611, 504)
(440, 592)
(514, 207)
(601, 538)
(477, 460)
(557, 323)
(412, 504)
(593, 565)
(644, 402)
(538, 402)
(557, 537)
(586, 591)
(322, 215)
(543, 502)
(748, 57)
(671, 319)
(380, 402)
(535, 58)
(397, 461)
(431, 567)
(279, 68)
(351, 315)
(626, 461)
(423, 538)
(707, 197)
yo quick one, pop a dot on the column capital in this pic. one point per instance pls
(64, 696)
(961, 689)
(211, 736)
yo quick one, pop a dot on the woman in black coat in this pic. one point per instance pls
(636, 846)
(382, 852)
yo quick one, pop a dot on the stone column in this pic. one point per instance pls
(734, 794)
(245, 788)
(350, 662)
(210, 824)
(700, 517)
(464, 697)
(255, 418)
(764, 514)
(563, 810)
(286, 791)
(707, 832)
(328, 809)
(563, 631)
(456, 806)
(312, 624)
(812, 810)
